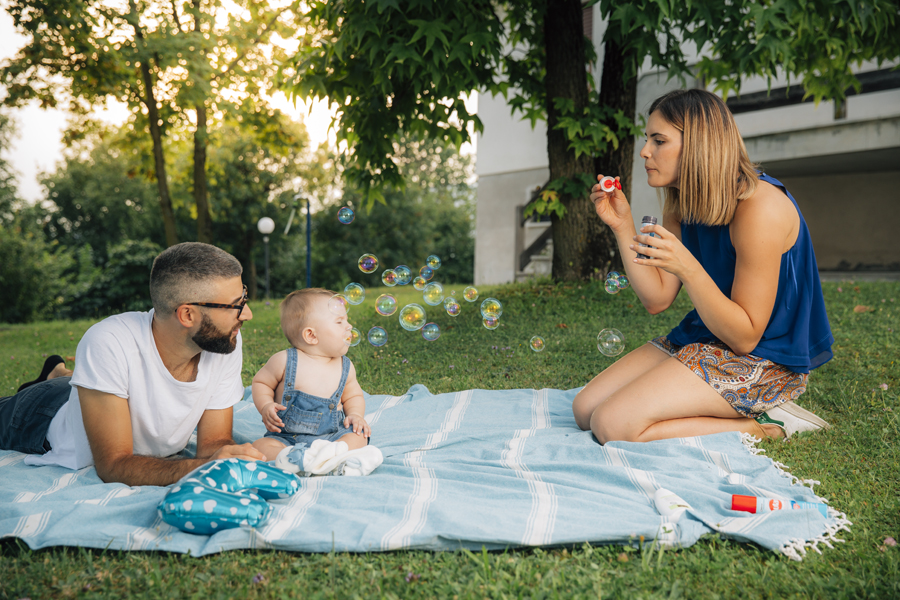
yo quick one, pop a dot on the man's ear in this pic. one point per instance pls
(308, 335)
(187, 316)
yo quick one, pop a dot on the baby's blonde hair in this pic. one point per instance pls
(296, 309)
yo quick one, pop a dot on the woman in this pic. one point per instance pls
(736, 241)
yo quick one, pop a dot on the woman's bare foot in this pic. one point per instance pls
(60, 370)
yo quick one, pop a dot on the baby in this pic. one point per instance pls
(308, 396)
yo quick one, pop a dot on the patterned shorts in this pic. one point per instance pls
(750, 384)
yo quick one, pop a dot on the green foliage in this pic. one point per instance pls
(856, 461)
(31, 279)
(121, 285)
(433, 214)
(102, 194)
(390, 69)
(816, 41)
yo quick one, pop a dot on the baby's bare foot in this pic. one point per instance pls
(60, 370)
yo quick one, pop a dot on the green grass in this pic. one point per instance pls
(857, 461)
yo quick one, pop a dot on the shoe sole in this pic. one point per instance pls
(802, 413)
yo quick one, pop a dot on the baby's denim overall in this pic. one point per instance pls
(309, 418)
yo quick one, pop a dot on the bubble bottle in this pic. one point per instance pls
(608, 184)
(647, 220)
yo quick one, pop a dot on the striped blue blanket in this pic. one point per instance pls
(471, 469)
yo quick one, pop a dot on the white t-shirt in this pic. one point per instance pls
(118, 356)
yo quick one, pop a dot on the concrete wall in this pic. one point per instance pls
(853, 218)
(495, 216)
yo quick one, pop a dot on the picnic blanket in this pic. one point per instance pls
(470, 469)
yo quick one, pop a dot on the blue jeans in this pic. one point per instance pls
(25, 417)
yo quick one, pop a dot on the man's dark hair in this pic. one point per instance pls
(183, 272)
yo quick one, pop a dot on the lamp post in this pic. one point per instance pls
(266, 226)
(297, 198)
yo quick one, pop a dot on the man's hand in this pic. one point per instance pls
(242, 451)
(359, 424)
(270, 416)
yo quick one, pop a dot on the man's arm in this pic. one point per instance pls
(107, 422)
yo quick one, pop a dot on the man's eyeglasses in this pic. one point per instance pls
(237, 307)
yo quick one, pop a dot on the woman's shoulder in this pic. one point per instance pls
(768, 205)
(767, 218)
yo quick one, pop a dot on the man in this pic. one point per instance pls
(143, 381)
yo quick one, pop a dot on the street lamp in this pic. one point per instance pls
(266, 226)
(297, 198)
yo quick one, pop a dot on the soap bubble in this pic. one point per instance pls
(389, 278)
(491, 322)
(451, 306)
(353, 337)
(355, 293)
(622, 281)
(419, 283)
(338, 305)
(434, 262)
(412, 317)
(368, 263)
(431, 331)
(426, 273)
(491, 308)
(377, 336)
(611, 286)
(404, 275)
(386, 305)
(345, 215)
(470, 294)
(537, 343)
(433, 294)
(613, 275)
(610, 342)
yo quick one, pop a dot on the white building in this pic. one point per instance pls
(842, 164)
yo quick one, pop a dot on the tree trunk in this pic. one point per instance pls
(617, 94)
(201, 200)
(580, 237)
(162, 181)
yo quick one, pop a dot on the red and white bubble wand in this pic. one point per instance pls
(608, 184)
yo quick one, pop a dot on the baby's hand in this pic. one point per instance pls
(360, 427)
(270, 416)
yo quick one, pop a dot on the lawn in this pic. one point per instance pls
(857, 462)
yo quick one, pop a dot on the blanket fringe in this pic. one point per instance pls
(795, 549)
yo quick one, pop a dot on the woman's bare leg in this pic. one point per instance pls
(668, 401)
(630, 367)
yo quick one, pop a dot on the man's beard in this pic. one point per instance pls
(212, 340)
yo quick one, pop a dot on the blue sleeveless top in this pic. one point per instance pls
(798, 335)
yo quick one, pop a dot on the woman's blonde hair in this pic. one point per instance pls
(296, 309)
(715, 171)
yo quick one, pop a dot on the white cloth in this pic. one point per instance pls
(118, 356)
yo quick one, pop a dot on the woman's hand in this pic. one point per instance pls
(666, 252)
(612, 207)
